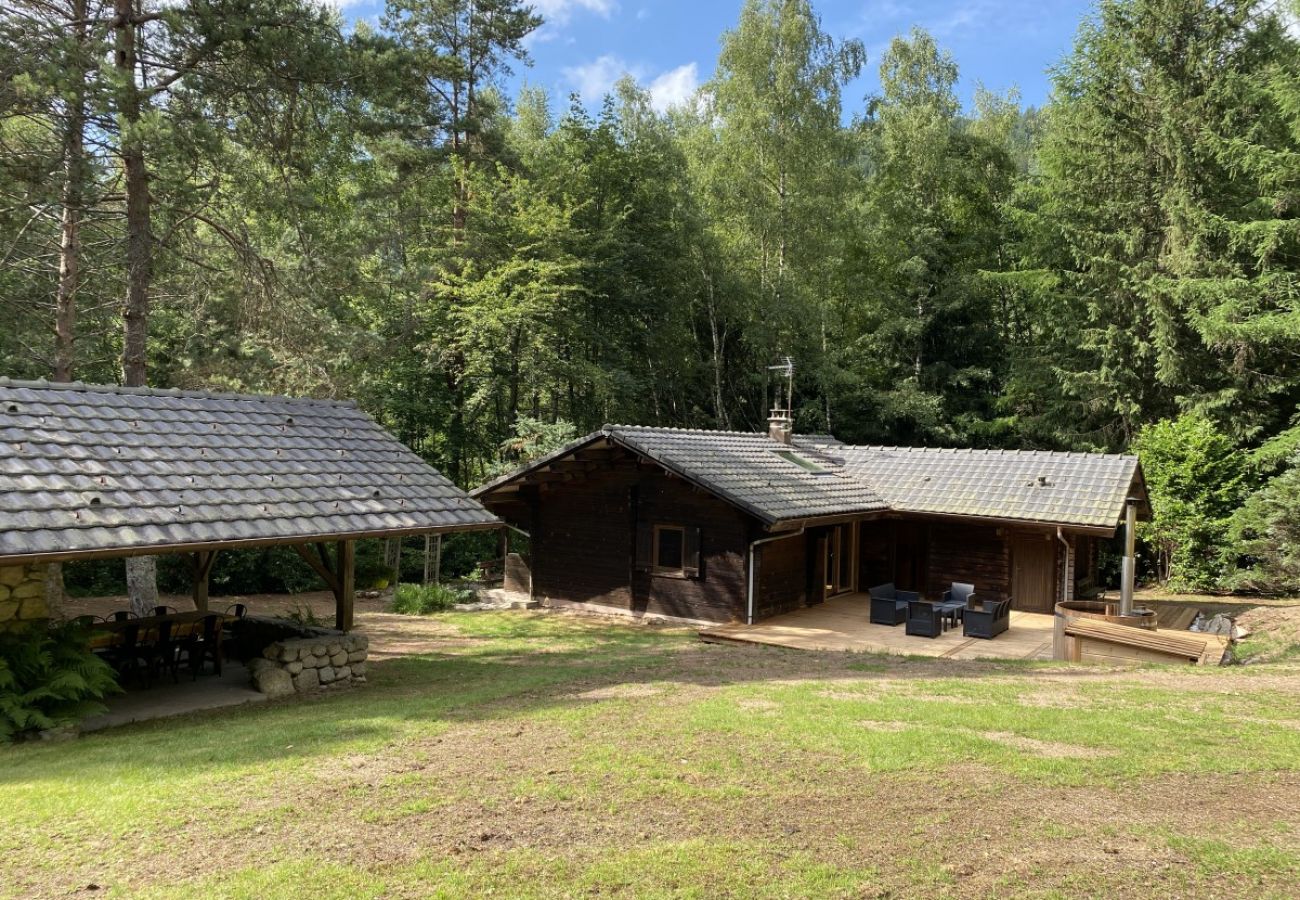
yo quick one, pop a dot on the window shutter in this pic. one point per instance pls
(691, 553)
(645, 536)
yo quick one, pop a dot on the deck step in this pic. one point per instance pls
(1176, 618)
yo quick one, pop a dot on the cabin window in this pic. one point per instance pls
(670, 545)
(668, 549)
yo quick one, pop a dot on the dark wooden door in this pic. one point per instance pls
(1033, 573)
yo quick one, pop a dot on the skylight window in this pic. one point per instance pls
(806, 465)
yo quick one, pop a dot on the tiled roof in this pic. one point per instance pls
(1082, 489)
(753, 472)
(750, 471)
(104, 469)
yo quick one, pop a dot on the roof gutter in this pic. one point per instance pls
(753, 545)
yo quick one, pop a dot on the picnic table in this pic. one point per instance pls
(109, 634)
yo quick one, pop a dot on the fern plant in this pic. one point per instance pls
(49, 678)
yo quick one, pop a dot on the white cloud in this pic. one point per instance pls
(562, 10)
(674, 87)
(595, 79)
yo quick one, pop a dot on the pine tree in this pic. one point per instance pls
(1165, 215)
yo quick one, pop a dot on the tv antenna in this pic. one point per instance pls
(783, 408)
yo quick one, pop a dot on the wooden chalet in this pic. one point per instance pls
(99, 471)
(711, 526)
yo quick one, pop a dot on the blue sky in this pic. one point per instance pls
(672, 45)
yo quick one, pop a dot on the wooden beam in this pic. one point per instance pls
(320, 564)
(201, 567)
(345, 596)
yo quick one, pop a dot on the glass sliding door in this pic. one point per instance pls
(837, 570)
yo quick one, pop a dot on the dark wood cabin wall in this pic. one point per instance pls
(974, 554)
(582, 541)
(583, 544)
(719, 594)
(875, 554)
(782, 569)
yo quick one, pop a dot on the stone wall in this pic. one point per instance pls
(306, 663)
(22, 594)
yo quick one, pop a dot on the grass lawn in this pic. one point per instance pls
(535, 755)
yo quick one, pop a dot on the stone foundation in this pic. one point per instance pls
(22, 595)
(312, 661)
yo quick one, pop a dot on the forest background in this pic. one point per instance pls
(255, 195)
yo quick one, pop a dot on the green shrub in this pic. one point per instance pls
(49, 678)
(423, 599)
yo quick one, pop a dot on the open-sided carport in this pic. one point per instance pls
(92, 471)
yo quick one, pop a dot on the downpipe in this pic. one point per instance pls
(1065, 568)
(753, 545)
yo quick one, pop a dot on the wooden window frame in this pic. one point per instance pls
(680, 570)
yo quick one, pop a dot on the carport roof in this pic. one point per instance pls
(91, 470)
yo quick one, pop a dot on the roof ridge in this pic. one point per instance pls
(677, 430)
(85, 387)
(989, 450)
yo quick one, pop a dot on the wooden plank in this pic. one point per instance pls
(1183, 644)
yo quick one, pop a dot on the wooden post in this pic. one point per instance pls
(503, 542)
(345, 594)
(393, 559)
(437, 559)
(428, 557)
(201, 567)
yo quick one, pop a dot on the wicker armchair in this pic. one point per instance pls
(888, 605)
(987, 620)
(924, 619)
(955, 600)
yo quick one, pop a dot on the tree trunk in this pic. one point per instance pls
(142, 584)
(74, 152)
(65, 300)
(141, 571)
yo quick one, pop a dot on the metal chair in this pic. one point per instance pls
(86, 621)
(164, 653)
(165, 610)
(238, 610)
(204, 643)
(127, 656)
(122, 615)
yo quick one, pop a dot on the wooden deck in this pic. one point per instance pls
(842, 624)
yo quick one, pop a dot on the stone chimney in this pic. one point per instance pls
(779, 426)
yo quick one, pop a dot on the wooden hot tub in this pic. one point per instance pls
(1065, 647)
